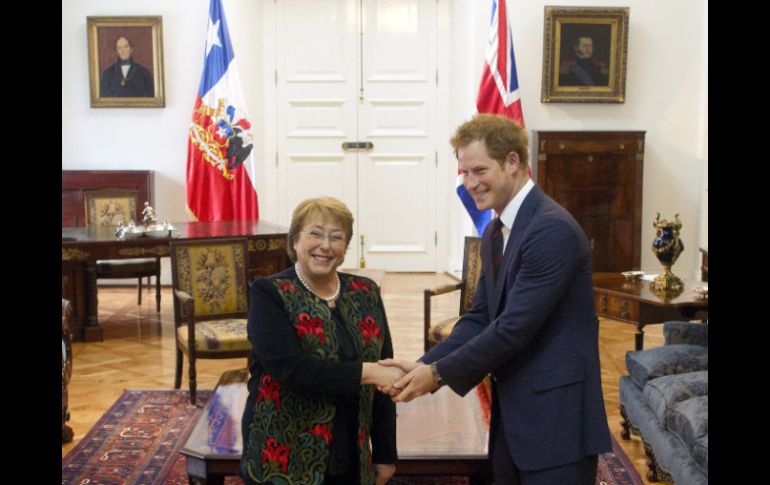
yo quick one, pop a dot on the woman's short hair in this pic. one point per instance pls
(500, 135)
(327, 209)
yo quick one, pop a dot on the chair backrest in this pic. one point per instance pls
(106, 207)
(471, 272)
(214, 273)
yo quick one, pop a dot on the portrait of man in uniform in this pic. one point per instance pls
(585, 53)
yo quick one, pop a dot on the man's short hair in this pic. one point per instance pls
(127, 40)
(582, 36)
(500, 135)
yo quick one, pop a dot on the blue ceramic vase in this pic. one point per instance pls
(667, 247)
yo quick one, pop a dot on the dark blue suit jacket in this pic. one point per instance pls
(537, 334)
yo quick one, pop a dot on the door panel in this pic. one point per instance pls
(397, 177)
(335, 86)
(317, 70)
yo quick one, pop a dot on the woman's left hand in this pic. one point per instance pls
(383, 472)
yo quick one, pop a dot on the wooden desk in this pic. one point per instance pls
(438, 434)
(634, 303)
(82, 246)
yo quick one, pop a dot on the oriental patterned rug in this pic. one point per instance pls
(138, 439)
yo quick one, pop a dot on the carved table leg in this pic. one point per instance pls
(92, 332)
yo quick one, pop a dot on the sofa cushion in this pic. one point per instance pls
(664, 392)
(644, 365)
(689, 420)
(701, 452)
(675, 332)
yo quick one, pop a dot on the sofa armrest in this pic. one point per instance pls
(676, 332)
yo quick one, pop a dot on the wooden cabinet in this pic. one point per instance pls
(597, 177)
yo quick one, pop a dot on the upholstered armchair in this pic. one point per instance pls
(108, 207)
(66, 369)
(439, 331)
(210, 278)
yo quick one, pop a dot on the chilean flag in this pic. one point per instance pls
(220, 158)
(498, 93)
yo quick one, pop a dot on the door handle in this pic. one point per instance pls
(357, 145)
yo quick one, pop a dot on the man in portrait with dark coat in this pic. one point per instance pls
(126, 78)
(583, 69)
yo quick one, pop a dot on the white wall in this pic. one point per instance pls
(666, 95)
(152, 138)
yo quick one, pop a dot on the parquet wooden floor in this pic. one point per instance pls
(138, 350)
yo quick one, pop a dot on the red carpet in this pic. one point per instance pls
(138, 439)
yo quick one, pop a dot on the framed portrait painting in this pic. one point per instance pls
(584, 55)
(125, 62)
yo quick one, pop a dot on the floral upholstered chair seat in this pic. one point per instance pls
(227, 334)
(109, 207)
(210, 302)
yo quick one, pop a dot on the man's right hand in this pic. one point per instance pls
(404, 365)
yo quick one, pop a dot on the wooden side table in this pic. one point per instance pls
(634, 303)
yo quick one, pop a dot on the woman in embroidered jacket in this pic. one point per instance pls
(316, 336)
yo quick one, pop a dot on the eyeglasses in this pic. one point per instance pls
(316, 235)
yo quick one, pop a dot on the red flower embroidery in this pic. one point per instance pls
(361, 436)
(287, 286)
(323, 431)
(310, 326)
(359, 285)
(275, 453)
(369, 329)
(270, 389)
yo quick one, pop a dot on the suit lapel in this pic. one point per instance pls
(523, 218)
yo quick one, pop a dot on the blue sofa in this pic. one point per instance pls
(664, 400)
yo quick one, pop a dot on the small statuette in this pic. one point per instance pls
(120, 232)
(148, 215)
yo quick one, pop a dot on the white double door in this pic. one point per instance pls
(361, 71)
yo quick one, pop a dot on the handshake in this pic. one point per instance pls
(401, 380)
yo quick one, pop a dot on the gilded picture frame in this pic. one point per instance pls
(584, 54)
(125, 62)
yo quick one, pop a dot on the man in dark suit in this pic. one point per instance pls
(126, 78)
(532, 324)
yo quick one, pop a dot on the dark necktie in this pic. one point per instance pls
(497, 246)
